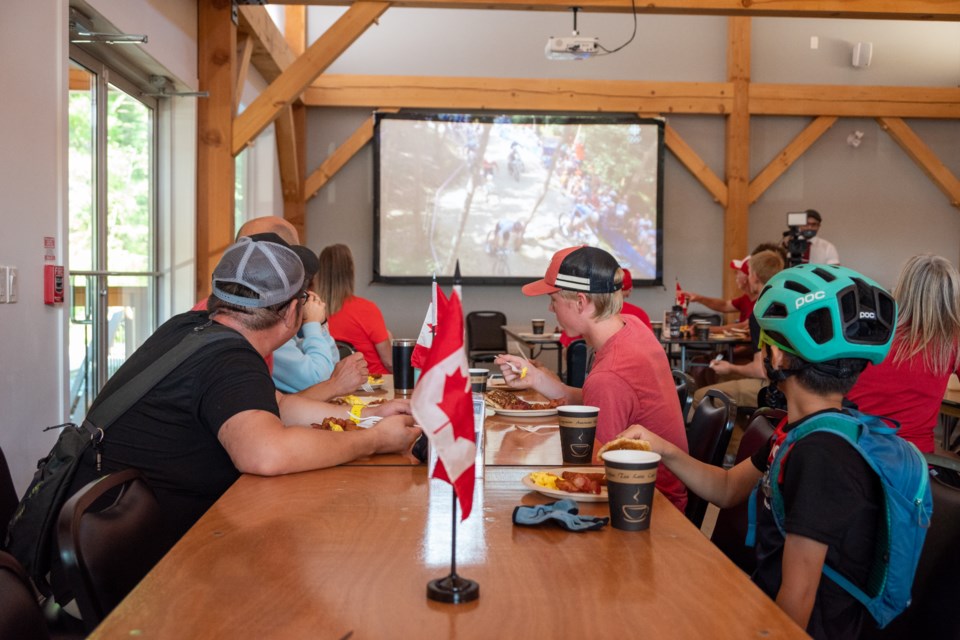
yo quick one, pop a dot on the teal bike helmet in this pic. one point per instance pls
(826, 312)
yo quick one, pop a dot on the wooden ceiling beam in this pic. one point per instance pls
(519, 94)
(736, 214)
(439, 92)
(216, 67)
(854, 101)
(790, 154)
(695, 165)
(245, 44)
(271, 53)
(298, 76)
(295, 28)
(341, 156)
(883, 9)
(924, 156)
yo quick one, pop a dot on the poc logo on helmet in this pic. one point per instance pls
(868, 315)
(809, 297)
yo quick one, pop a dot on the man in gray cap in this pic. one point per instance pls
(218, 414)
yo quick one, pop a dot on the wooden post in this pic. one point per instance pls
(215, 163)
(737, 155)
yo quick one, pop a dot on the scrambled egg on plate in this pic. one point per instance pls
(544, 479)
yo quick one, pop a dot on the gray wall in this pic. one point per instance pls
(878, 206)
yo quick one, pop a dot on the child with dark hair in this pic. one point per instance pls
(820, 326)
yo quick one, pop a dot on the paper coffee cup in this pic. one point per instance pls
(631, 476)
(578, 428)
(538, 326)
(478, 380)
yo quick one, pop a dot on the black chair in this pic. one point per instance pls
(730, 530)
(932, 613)
(579, 356)
(110, 535)
(8, 496)
(485, 336)
(345, 348)
(708, 435)
(686, 387)
(20, 613)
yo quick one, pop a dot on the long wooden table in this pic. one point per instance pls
(347, 552)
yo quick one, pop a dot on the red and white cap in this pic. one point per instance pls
(741, 265)
(585, 269)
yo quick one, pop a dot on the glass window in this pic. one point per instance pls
(112, 225)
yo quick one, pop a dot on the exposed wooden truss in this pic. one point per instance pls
(295, 75)
(892, 9)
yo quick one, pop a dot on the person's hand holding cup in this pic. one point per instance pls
(631, 478)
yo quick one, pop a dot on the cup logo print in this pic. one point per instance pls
(580, 448)
(635, 512)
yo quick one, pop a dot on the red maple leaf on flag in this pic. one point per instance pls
(442, 403)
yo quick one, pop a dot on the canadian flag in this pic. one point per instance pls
(442, 402)
(422, 349)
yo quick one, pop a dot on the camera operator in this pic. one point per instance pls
(803, 243)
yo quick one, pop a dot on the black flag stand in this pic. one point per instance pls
(453, 588)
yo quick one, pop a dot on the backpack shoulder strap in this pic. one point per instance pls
(121, 400)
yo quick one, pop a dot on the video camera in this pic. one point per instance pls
(796, 240)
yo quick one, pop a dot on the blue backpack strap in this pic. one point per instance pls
(751, 538)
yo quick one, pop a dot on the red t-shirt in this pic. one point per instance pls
(631, 383)
(361, 323)
(744, 305)
(906, 392)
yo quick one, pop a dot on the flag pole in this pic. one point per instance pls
(453, 589)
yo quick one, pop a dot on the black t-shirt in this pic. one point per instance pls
(830, 495)
(171, 433)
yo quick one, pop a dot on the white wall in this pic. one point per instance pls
(32, 175)
(878, 207)
(33, 143)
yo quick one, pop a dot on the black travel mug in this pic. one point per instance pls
(402, 369)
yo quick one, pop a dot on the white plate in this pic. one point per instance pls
(527, 413)
(557, 493)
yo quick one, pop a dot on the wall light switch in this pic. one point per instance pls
(13, 285)
(3, 285)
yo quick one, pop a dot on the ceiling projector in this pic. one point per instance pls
(571, 48)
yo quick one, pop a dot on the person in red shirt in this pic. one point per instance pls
(630, 380)
(908, 386)
(351, 318)
(742, 304)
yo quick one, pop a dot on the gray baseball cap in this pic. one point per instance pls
(271, 270)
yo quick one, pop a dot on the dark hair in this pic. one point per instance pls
(772, 246)
(822, 378)
(255, 319)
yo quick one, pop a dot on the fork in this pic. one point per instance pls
(533, 428)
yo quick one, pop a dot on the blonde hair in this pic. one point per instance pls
(335, 277)
(928, 317)
(605, 305)
(765, 265)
